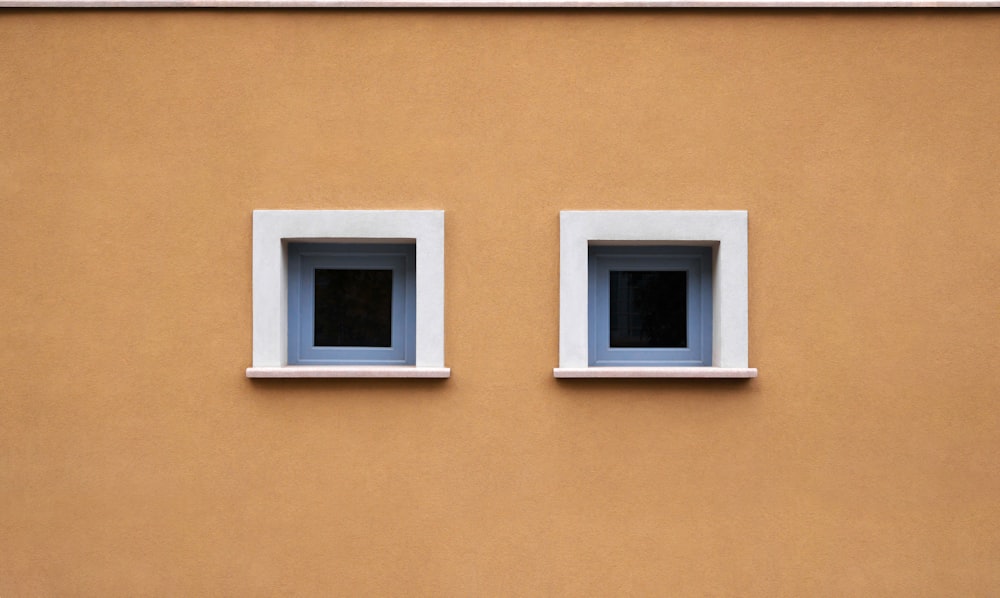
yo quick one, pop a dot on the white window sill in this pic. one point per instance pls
(655, 372)
(348, 371)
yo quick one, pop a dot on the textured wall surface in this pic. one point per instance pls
(137, 459)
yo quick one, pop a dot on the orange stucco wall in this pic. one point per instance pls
(137, 459)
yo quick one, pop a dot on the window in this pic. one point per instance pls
(351, 303)
(650, 305)
(311, 268)
(653, 294)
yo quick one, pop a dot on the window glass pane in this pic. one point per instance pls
(353, 308)
(648, 309)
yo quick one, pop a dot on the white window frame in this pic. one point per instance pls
(274, 229)
(724, 230)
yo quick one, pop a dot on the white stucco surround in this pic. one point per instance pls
(724, 230)
(273, 229)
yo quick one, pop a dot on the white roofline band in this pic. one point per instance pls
(499, 3)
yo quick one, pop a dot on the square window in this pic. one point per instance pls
(348, 293)
(653, 294)
(351, 303)
(650, 306)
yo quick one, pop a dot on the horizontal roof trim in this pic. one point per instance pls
(499, 3)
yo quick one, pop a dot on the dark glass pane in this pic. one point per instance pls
(648, 309)
(353, 308)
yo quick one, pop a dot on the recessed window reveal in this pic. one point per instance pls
(351, 303)
(650, 305)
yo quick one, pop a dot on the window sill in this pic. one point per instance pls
(654, 372)
(348, 371)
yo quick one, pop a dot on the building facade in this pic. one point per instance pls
(137, 457)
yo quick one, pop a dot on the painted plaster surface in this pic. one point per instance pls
(136, 457)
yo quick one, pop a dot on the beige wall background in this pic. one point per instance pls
(136, 458)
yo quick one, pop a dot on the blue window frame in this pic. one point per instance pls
(351, 303)
(650, 305)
